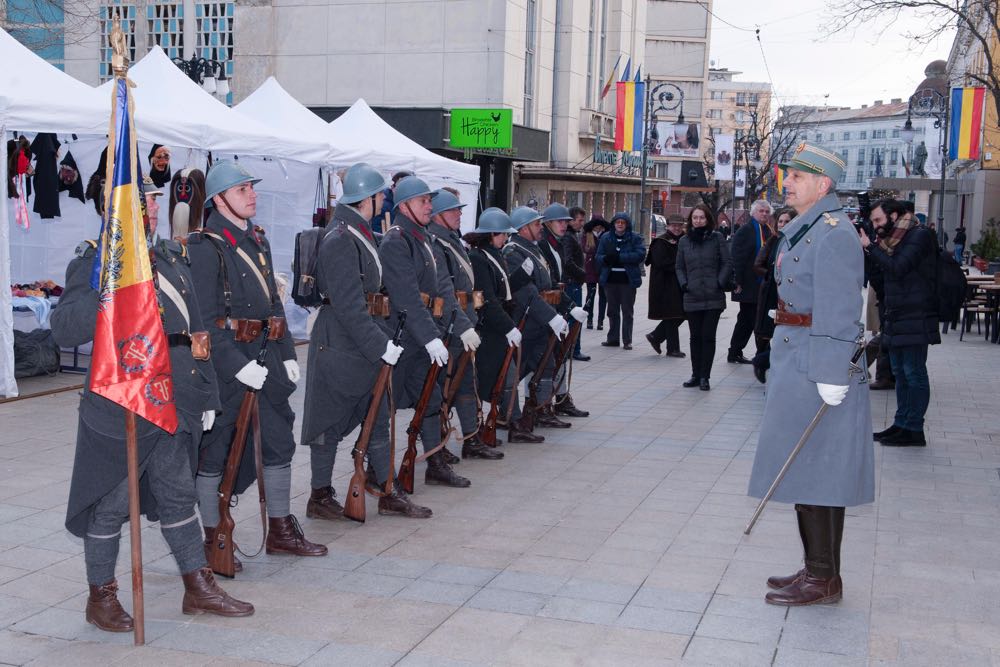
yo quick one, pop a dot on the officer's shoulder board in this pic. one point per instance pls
(258, 229)
(86, 248)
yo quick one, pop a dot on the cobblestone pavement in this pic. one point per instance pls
(618, 541)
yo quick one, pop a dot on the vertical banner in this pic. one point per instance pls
(740, 183)
(724, 157)
(966, 123)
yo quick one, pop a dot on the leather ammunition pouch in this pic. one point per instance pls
(478, 300)
(462, 298)
(436, 304)
(247, 331)
(553, 297)
(201, 346)
(378, 305)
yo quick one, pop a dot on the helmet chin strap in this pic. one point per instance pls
(409, 213)
(229, 207)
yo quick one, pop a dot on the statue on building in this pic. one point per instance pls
(919, 160)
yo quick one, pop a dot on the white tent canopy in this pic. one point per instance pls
(273, 106)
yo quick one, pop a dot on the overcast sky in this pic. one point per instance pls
(805, 66)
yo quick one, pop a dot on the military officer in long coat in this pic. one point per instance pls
(98, 498)
(555, 219)
(347, 348)
(446, 220)
(232, 267)
(415, 283)
(529, 270)
(498, 330)
(819, 274)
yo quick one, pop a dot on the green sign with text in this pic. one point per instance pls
(482, 128)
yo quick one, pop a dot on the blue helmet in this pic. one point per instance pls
(494, 221)
(555, 212)
(223, 175)
(362, 181)
(408, 188)
(523, 215)
(444, 201)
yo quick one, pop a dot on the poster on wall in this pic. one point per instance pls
(669, 142)
(724, 157)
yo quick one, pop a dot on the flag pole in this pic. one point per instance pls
(119, 64)
(646, 103)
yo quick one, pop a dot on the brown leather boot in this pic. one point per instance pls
(284, 536)
(399, 503)
(520, 431)
(781, 582)
(806, 590)
(547, 418)
(323, 504)
(104, 610)
(440, 473)
(565, 406)
(474, 448)
(202, 595)
(209, 544)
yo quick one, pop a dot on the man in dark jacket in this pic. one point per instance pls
(746, 243)
(907, 255)
(665, 297)
(619, 255)
(573, 266)
(959, 243)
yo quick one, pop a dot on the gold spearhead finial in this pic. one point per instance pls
(119, 48)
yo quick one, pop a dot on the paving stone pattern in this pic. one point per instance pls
(617, 542)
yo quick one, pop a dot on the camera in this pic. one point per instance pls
(863, 221)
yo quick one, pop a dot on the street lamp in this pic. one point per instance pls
(665, 97)
(207, 73)
(931, 103)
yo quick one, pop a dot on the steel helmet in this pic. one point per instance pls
(223, 175)
(360, 182)
(444, 201)
(523, 215)
(555, 212)
(494, 221)
(410, 187)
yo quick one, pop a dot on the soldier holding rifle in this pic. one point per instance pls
(98, 499)
(415, 283)
(819, 273)
(232, 266)
(347, 348)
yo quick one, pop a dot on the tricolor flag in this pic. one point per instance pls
(611, 78)
(131, 361)
(779, 179)
(628, 111)
(966, 123)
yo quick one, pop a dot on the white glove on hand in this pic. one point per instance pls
(528, 266)
(437, 352)
(578, 314)
(392, 352)
(207, 420)
(470, 340)
(559, 326)
(252, 375)
(832, 394)
(514, 337)
(292, 368)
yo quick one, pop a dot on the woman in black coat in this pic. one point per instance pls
(665, 298)
(703, 271)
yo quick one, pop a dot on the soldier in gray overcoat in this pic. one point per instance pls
(232, 267)
(449, 253)
(347, 347)
(415, 283)
(819, 274)
(530, 278)
(98, 496)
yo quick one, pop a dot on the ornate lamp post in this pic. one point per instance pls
(664, 97)
(207, 73)
(931, 103)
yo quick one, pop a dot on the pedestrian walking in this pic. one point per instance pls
(595, 291)
(744, 247)
(619, 256)
(666, 301)
(703, 271)
(959, 244)
(819, 272)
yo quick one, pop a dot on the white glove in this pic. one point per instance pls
(578, 314)
(559, 326)
(514, 337)
(437, 352)
(470, 340)
(392, 352)
(252, 375)
(528, 266)
(207, 420)
(832, 394)
(292, 368)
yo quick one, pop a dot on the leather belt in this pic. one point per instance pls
(785, 318)
(247, 331)
(376, 304)
(178, 339)
(198, 341)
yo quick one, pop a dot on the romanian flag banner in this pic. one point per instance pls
(779, 180)
(628, 112)
(966, 123)
(611, 78)
(131, 361)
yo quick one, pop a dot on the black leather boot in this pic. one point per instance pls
(547, 418)
(440, 473)
(398, 502)
(779, 581)
(821, 583)
(565, 406)
(474, 448)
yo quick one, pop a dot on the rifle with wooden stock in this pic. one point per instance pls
(488, 434)
(531, 404)
(221, 557)
(354, 506)
(565, 350)
(405, 475)
(453, 382)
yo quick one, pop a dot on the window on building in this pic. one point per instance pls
(819, 137)
(215, 35)
(741, 99)
(844, 155)
(739, 134)
(715, 113)
(165, 27)
(591, 37)
(716, 94)
(742, 117)
(830, 137)
(878, 134)
(871, 173)
(859, 176)
(895, 133)
(529, 63)
(892, 173)
(752, 99)
(861, 157)
(107, 14)
(894, 156)
(847, 136)
(864, 134)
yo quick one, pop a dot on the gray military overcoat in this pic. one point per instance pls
(819, 270)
